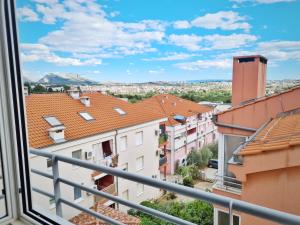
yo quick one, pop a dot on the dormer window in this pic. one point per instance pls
(120, 111)
(53, 121)
(86, 116)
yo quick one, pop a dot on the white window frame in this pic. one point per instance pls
(121, 143)
(216, 215)
(136, 164)
(74, 166)
(139, 193)
(138, 143)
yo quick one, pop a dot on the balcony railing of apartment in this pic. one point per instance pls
(228, 183)
(162, 160)
(111, 189)
(163, 138)
(229, 203)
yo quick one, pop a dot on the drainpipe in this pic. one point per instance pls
(116, 151)
(173, 150)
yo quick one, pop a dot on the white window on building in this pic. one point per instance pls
(140, 189)
(86, 116)
(77, 193)
(139, 163)
(123, 143)
(77, 154)
(223, 218)
(139, 138)
(125, 195)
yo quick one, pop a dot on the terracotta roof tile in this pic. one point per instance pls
(66, 110)
(170, 105)
(280, 133)
(86, 219)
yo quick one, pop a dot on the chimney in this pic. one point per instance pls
(248, 79)
(74, 93)
(57, 134)
(85, 100)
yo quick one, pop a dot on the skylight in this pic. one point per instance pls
(53, 121)
(86, 116)
(120, 111)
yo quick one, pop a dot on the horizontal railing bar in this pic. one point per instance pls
(254, 210)
(147, 210)
(42, 173)
(91, 212)
(43, 192)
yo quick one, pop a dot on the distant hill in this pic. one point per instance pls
(65, 79)
(27, 80)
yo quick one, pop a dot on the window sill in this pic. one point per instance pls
(138, 170)
(78, 200)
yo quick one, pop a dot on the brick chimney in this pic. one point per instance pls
(249, 78)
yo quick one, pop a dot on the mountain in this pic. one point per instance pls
(27, 80)
(65, 79)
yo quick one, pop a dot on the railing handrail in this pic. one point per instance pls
(231, 204)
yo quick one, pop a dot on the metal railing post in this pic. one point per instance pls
(230, 213)
(56, 186)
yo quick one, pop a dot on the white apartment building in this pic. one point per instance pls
(189, 127)
(97, 128)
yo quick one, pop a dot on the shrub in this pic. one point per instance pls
(200, 157)
(171, 196)
(188, 181)
(214, 149)
(191, 170)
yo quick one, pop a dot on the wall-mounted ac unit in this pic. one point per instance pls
(89, 154)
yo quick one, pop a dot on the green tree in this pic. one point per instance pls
(39, 89)
(200, 157)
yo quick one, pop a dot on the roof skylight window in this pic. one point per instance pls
(120, 111)
(86, 116)
(53, 121)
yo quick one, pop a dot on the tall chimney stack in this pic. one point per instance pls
(248, 78)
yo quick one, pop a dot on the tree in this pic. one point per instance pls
(39, 89)
(200, 157)
(66, 87)
(50, 89)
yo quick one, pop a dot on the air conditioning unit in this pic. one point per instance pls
(89, 154)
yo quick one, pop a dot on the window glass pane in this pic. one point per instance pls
(123, 143)
(140, 163)
(77, 193)
(223, 219)
(139, 138)
(77, 154)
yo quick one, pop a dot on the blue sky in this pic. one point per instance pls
(168, 40)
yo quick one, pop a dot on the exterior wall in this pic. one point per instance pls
(83, 176)
(256, 114)
(148, 150)
(2, 201)
(206, 133)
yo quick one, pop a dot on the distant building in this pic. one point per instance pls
(189, 127)
(97, 128)
(259, 145)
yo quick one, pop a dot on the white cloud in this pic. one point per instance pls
(159, 71)
(172, 56)
(190, 42)
(27, 14)
(39, 52)
(225, 20)
(217, 41)
(181, 24)
(211, 42)
(205, 64)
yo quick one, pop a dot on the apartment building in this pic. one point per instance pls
(189, 127)
(97, 128)
(259, 154)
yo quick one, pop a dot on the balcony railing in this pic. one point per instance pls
(163, 138)
(229, 203)
(162, 160)
(228, 183)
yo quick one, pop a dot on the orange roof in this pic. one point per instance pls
(170, 105)
(86, 219)
(66, 110)
(280, 133)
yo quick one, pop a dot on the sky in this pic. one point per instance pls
(157, 40)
